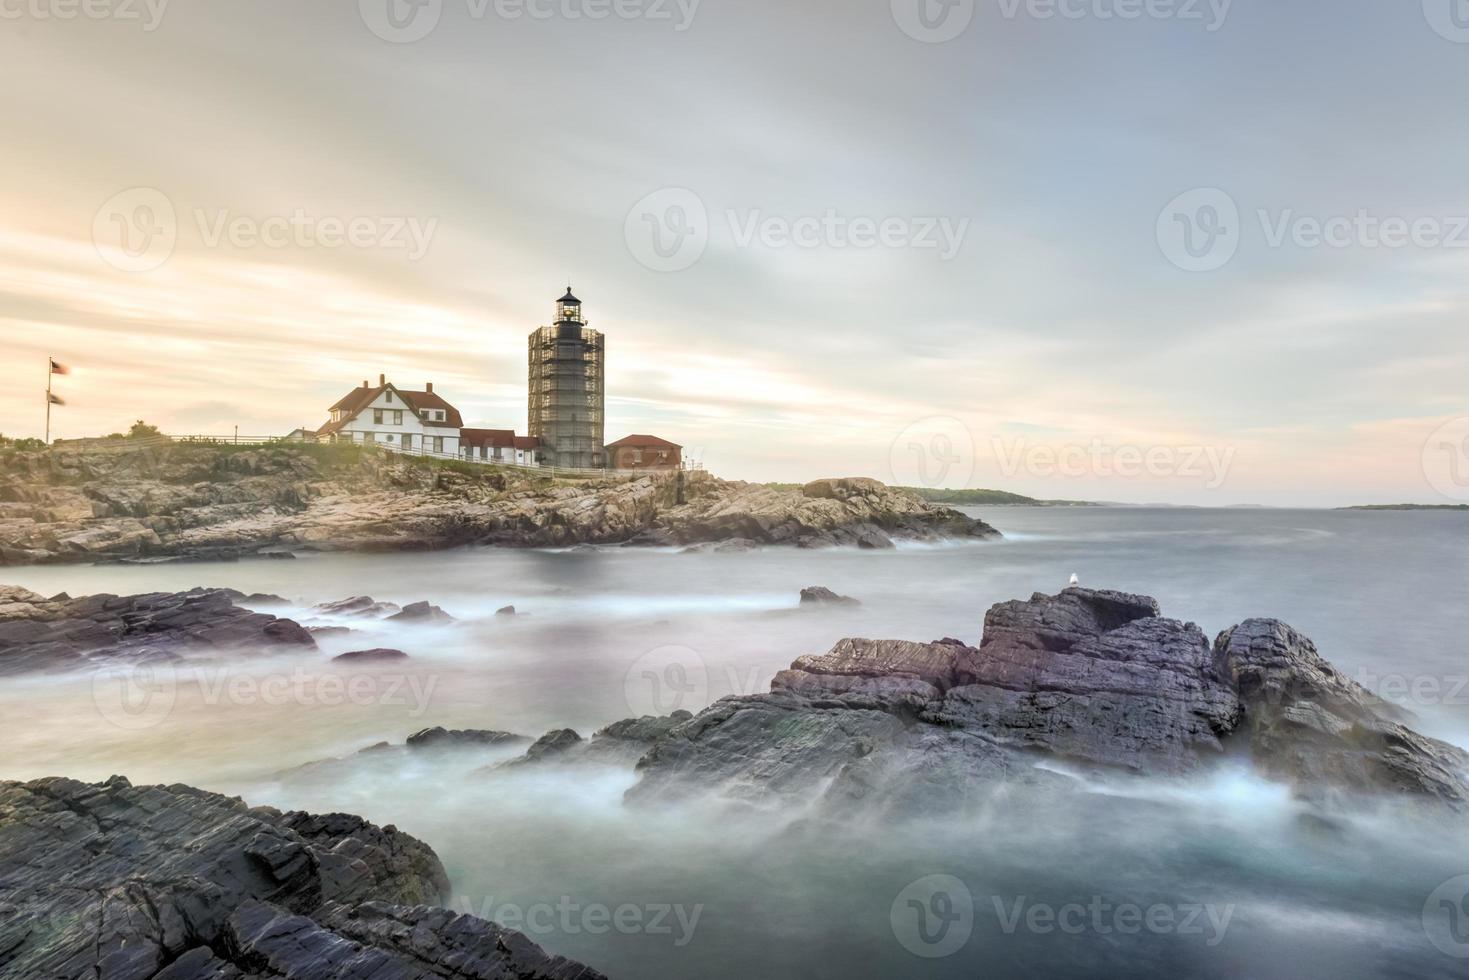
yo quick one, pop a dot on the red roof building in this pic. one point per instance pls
(643, 452)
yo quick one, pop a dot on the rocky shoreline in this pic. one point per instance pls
(131, 882)
(177, 501)
(174, 883)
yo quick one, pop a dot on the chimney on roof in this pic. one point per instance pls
(364, 383)
(429, 387)
(382, 379)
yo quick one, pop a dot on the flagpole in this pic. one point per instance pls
(48, 401)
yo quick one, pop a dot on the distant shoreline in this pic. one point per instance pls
(1406, 507)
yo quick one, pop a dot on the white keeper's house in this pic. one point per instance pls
(395, 418)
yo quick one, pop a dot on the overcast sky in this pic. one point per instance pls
(968, 244)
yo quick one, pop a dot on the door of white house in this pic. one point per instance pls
(407, 441)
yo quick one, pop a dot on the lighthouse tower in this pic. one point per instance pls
(566, 392)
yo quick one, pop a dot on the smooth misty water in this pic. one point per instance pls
(1383, 594)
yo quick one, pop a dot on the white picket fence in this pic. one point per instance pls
(158, 441)
(420, 451)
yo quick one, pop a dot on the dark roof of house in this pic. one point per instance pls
(643, 442)
(420, 400)
(527, 442)
(356, 398)
(359, 398)
(493, 438)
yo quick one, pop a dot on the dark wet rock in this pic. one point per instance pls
(421, 612)
(361, 605)
(438, 738)
(320, 631)
(1091, 680)
(552, 743)
(818, 595)
(621, 743)
(172, 883)
(63, 633)
(505, 611)
(373, 656)
(255, 598)
(1312, 726)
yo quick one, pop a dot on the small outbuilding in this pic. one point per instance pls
(643, 452)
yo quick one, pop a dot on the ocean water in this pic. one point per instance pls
(1223, 876)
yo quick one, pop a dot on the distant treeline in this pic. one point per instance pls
(971, 498)
(1409, 507)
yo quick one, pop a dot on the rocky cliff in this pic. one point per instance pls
(131, 882)
(164, 500)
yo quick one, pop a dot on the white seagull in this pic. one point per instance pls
(1074, 581)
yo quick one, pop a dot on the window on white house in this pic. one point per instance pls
(377, 416)
(388, 397)
(438, 444)
(398, 417)
(387, 437)
(367, 437)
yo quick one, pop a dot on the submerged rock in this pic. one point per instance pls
(422, 612)
(818, 595)
(64, 633)
(375, 655)
(359, 605)
(173, 883)
(436, 738)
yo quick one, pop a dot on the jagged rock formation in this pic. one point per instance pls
(172, 883)
(39, 633)
(1310, 724)
(1087, 679)
(159, 500)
